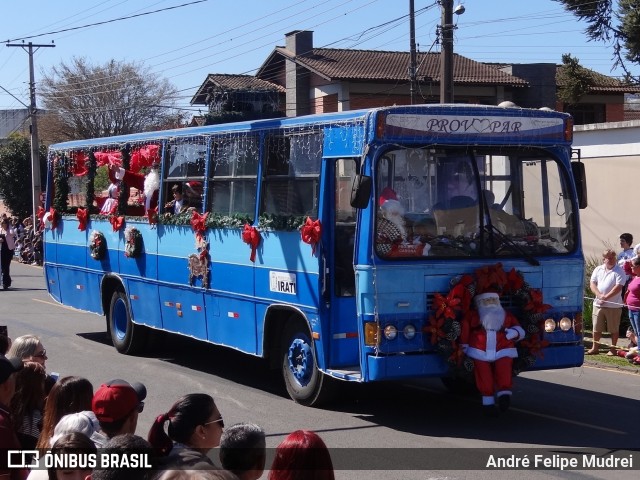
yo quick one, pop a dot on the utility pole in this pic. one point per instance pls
(446, 53)
(412, 54)
(35, 154)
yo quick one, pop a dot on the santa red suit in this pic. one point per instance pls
(488, 336)
(148, 184)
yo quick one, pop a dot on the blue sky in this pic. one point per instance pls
(197, 37)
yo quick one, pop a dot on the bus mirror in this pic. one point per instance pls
(580, 179)
(360, 191)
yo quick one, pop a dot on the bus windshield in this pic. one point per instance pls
(482, 202)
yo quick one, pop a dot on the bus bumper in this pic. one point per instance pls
(393, 367)
(564, 356)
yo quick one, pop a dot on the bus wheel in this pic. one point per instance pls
(127, 337)
(305, 384)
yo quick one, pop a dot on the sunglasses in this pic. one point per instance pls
(41, 354)
(220, 420)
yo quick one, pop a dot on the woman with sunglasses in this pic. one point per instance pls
(194, 427)
(29, 348)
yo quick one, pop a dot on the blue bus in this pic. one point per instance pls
(327, 244)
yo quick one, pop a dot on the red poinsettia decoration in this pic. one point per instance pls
(435, 329)
(514, 281)
(152, 215)
(116, 222)
(457, 354)
(446, 307)
(535, 345)
(535, 304)
(198, 223)
(491, 279)
(311, 232)
(82, 217)
(251, 236)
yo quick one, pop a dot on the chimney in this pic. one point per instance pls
(299, 43)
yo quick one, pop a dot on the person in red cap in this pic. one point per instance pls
(488, 337)
(8, 437)
(117, 404)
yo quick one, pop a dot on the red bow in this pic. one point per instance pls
(251, 236)
(198, 224)
(116, 222)
(310, 233)
(152, 215)
(81, 214)
(40, 213)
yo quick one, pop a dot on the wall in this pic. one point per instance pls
(611, 154)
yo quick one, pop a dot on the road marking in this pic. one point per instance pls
(57, 305)
(573, 422)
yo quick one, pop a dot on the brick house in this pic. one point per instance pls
(315, 80)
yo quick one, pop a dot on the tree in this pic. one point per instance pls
(574, 80)
(607, 23)
(103, 100)
(15, 174)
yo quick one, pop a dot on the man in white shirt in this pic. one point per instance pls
(606, 284)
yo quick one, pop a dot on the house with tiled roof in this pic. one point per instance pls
(315, 80)
(247, 95)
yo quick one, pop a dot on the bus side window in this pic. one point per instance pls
(233, 175)
(185, 167)
(292, 175)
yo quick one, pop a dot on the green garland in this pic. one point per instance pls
(60, 185)
(123, 198)
(216, 220)
(91, 175)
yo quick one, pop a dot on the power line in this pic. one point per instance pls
(106, 21)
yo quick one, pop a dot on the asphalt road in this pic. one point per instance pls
(429, 428)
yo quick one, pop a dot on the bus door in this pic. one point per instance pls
(341, 288)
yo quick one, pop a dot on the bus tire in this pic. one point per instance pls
(305, 384)
(127, 337)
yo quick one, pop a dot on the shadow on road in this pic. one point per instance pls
(542, 413)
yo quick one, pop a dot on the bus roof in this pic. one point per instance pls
(316, 119)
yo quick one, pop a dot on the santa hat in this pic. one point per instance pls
(387, 194)
(478, 298)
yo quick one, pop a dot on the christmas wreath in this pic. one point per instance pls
(132, 242)
(448, 313)
(97, 245)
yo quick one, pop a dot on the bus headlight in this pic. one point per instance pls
(409, 332)
(549, 325)
(565, 324)
(390, 332)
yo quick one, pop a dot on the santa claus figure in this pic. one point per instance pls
(149, 184)
(489, 336)
(391, 231)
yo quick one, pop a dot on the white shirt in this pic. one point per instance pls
(605, 280)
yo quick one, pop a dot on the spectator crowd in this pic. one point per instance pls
(67, 416)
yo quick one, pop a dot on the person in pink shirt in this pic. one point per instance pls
(632, 299)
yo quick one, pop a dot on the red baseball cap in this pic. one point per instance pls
(116, 399)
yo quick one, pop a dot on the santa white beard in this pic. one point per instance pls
(491, 316)
(392, 211)
(151, 183)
